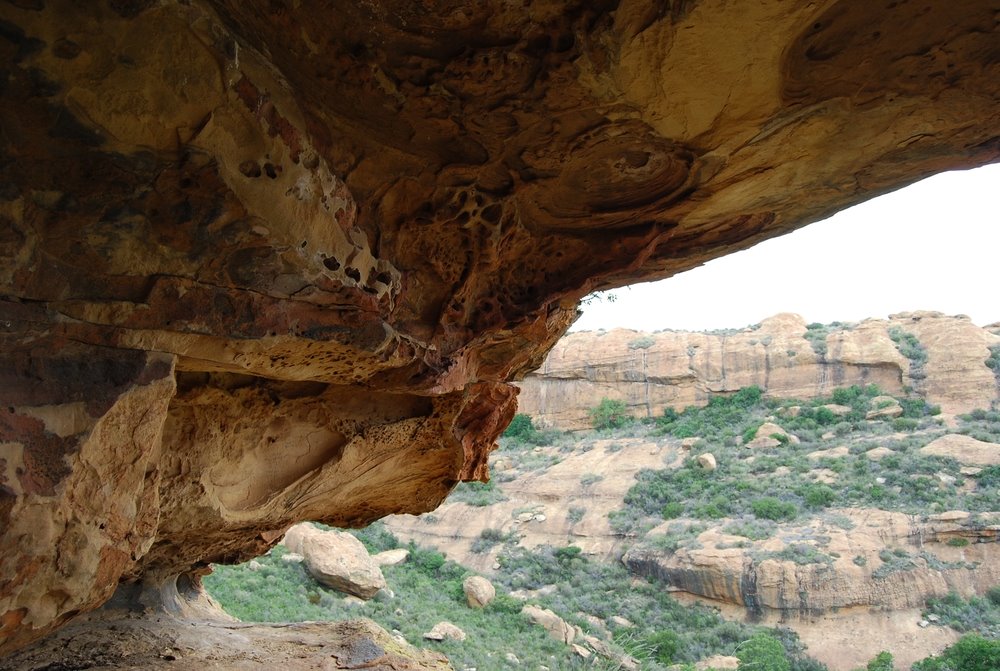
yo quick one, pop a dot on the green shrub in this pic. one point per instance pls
(800, 553)
(970, 653)
(609, 414)
(663, 646)
(993, 361)
(771, 508)
(750, 432)
(478, 494)
(958, 542)
(642, 342)
(672, 510)
(909, 346)
(825, 416)
(816, 335)
(488, 539)
(979, 615)
(520, 428)
(881, 662)
(755, 530)
(762, 652)
(376, 538)
(818, 495)
(569, 554)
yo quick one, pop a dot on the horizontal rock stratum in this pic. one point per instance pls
(782, 355)
(269, 262)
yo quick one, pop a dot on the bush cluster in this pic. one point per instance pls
(909, 346)
(907, 481)
(610, 414)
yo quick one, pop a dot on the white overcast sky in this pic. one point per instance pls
(934, 245)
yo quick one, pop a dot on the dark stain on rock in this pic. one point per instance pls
(66, 49)
(129, 9)
(41, 85)
(67, 127)
(26, 46)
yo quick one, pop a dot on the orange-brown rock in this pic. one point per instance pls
(653, 371)
(267, 262)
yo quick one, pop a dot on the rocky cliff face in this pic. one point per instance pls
(782, 355)
(916, 564)
(264, 262)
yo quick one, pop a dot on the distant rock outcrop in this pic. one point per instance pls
(782, 355)
(885, 559)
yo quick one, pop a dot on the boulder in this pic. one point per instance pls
(619, 621)
(879, 453)
(688, 443)
(336, 559)
(479, 591)
(706, 461)
(884, 407)
(443, 630)
(829, 453)
(557, 628)
(391, 557)
(964, 449)
(770, 435)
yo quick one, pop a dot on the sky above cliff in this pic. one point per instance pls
(934, 245)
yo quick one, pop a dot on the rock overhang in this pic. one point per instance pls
(266, 262)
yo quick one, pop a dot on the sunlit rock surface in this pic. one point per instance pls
(267, 262)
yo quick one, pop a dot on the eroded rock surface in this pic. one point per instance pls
(267, 262)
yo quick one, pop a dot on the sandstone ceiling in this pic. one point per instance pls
(273, 261)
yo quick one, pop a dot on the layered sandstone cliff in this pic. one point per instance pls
(782, 355)
(266, 262)
(884, 560)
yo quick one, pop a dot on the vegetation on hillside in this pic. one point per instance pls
(428, 588)
(779, 483)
